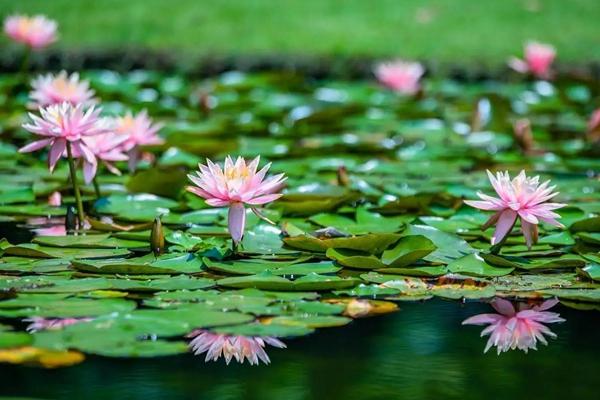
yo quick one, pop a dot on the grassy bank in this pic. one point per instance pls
(462, 31)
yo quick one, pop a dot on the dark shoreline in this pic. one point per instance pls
(346, 67)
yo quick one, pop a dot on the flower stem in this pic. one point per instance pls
(96, 188)
(73, 172)
(25, 63)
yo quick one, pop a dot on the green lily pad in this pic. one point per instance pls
(407, 251)
(475, 265)
(255, 266)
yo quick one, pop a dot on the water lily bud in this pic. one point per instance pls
(55, 199)
(204, 101)
(480, 115)
(523, 135)
(342, 176)
(70, 219)
(157, 237)
(593, 129)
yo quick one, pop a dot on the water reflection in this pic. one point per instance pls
(519, 326)
(42, 226)
(230, 347)
(420, 352)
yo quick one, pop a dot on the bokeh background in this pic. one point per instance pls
(458, 31)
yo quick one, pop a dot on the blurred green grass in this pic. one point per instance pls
(461, 31)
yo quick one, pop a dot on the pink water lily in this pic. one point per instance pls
(230, 347)
(538, 60)
(52, 324)
(55, 89)
(519, 328)
(107, 148)
(234, 186)
(36, 32)
(401, 76)
(55, 199)
(521, 198)
(64, 123)
(139, 130)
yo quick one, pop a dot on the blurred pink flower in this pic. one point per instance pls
(107, 149)
(400, 76)
(41, 324)
(538, 60)
(512, 329)
(593, 127)
(55, 199)
(522, 198)
(234, 186)
(62, 123)
(35, 32)
(55, 89)
(139, 130)
(229, 346)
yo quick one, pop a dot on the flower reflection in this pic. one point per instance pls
(43, 226)
(516, 328)
(52, 324)
(230, 346)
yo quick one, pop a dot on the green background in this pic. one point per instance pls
(461, 31)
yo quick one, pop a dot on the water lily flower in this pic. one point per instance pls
(519, 328)
(400, 76)
(36, 32)
(107, 148)
(55, 199)
(538, 60)
(42, 324)
(521, 198)
(241, 348)
(234, 186)
(64, 123)
(139, 130)
(55, 89)
(523, 135)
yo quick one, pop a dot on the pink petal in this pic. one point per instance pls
(263, 199)
(546, 305)
(33, 146)
(505, 224)
(518, 65)
(503, 306)
(89, 170)
(218, 202)
(56, 151)
(530, 233)
(482, 205)
(482, 319)
(236, 221)
(528, 216)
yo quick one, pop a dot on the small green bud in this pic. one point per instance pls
(157, 238)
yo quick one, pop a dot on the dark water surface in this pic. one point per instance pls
(420, 352)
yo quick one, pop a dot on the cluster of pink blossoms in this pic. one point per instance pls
(68, 115)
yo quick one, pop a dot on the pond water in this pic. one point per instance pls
(420, 352)
(372, 217)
